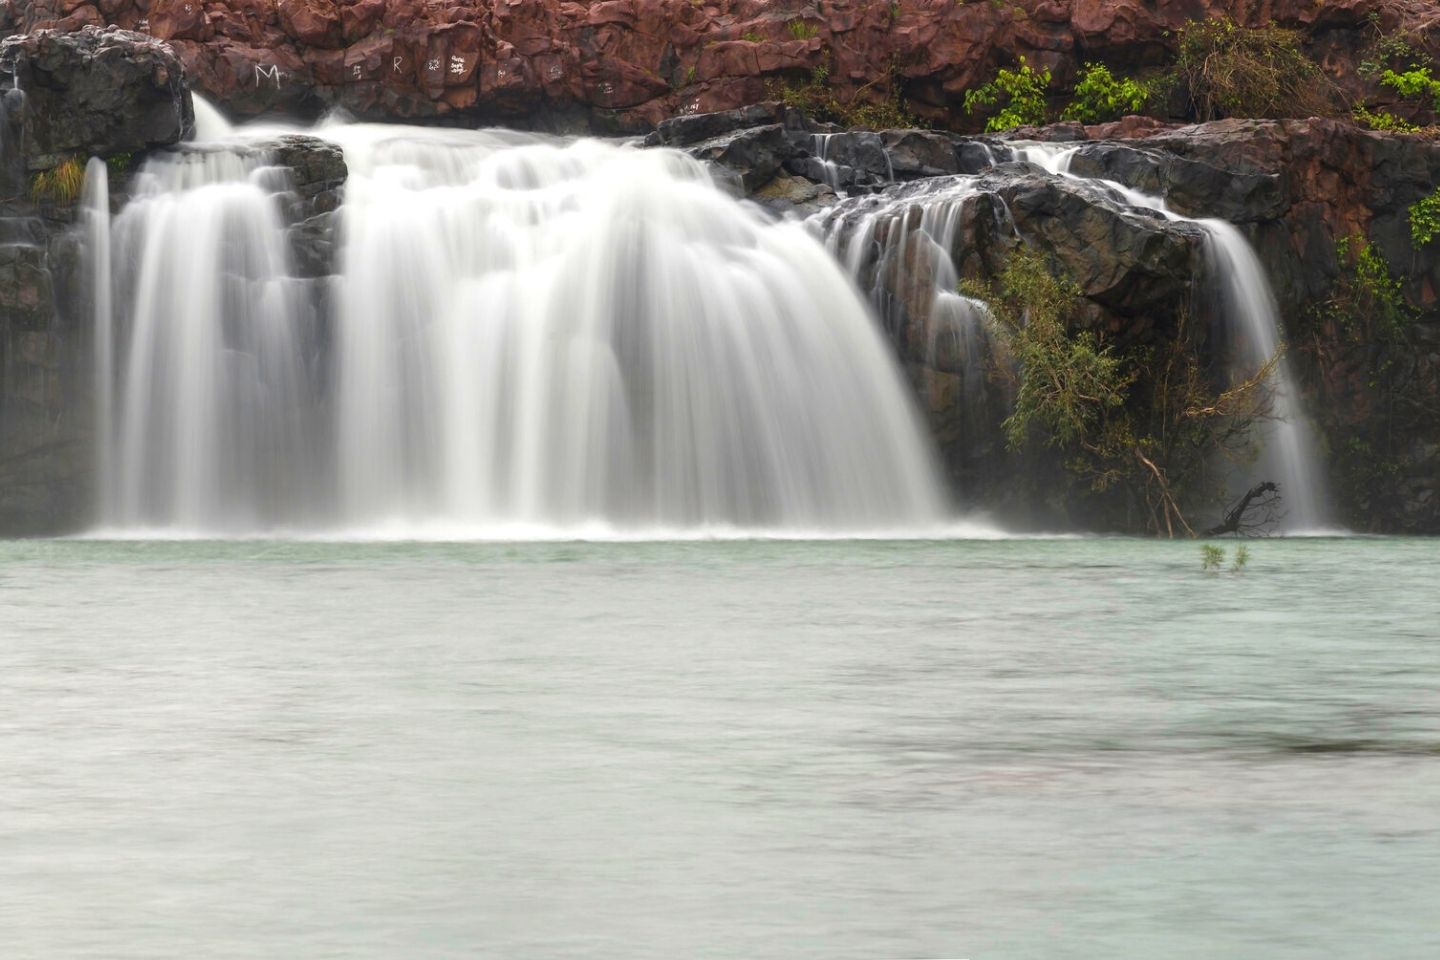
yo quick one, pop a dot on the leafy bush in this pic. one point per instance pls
(1020, 94)
(1425, 219)
(62, 184)
(1227, 70)
(1070, 380)
(1367, 304)
(1415, 82)
(1101, 96)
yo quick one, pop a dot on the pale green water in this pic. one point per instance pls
(1024, 749)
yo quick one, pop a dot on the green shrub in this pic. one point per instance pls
(62, 184)
(1019, 93)
(1101, 96)
(1415, 82)
(750, 36)
(1070, 380)
(1367, 304)
(1425, 219)
(1227, 70)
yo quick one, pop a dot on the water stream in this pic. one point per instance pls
(521, 333)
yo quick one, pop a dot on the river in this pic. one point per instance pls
(847, 749)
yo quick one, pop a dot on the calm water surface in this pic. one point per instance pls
(1021, 749)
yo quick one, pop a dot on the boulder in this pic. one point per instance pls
(98, 92)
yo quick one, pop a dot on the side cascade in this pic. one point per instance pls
(523, 336)
(901, 246)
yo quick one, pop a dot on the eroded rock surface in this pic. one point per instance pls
(628, 64)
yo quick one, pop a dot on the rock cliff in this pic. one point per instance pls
(627, 64)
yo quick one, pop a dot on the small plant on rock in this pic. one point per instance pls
(1425, 219)
(61, 184)
(801, 30)
(1019, 93)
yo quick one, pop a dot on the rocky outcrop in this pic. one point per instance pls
(92, 92)
(627, 64)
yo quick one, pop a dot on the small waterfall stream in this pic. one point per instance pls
(522, 334)
(900, 248)
(1247, 305)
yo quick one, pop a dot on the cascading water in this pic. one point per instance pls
(205, 409)
(1247, 304)
(900, 247)
(523, 334)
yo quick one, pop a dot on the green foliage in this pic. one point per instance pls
(1142, 426)
(1212, 558)
(801, 30)
(1425, 219)
(1364, 351)
(1415, 82)
(1227, 70)
(1242, 557)
(1071, 381)
(750, 36)
(1384, 121)
(1019, 93)
(1101, 96)
(1367, 304)
(120, 162)
(1387, 49)
(61, 184)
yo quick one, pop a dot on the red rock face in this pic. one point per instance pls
(625, 64)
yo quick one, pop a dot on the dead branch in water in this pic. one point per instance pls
(1252, 514)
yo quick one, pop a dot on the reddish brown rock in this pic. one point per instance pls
(625, 64)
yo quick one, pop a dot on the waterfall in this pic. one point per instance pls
(207, 422)
(95, 221)
(900, 247)
(522, 334)
(1252, 317)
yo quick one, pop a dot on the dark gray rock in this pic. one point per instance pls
(753, 156)
(920, 153)
(94, 92)
(685, 131)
